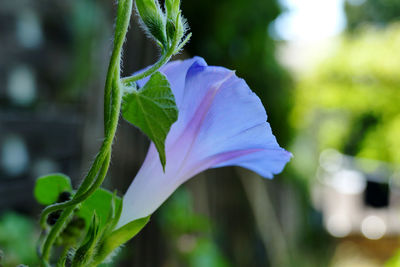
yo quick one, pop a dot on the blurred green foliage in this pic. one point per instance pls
(49, 187)
(17, 240)
(378, 13)
(88, 25)
(394, 261)
(350, 101)
(186, 231)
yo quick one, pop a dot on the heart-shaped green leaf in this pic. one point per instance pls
(48, 187)
(153, 110)
(100, 202)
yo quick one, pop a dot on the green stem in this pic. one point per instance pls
(51, 237)
(112, 102)
(88, 186)
(75, 201)
(123, 17)
(65, 215)
(113, 73)
(165, 57)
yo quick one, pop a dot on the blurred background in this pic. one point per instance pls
(328, 73)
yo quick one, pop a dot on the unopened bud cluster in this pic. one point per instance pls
(167, 27)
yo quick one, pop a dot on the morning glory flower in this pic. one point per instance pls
(221, 123)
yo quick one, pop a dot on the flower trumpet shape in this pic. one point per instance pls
(221, 123)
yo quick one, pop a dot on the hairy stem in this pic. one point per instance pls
(112, 103)
(163, 59)
(65, 215)
(166, 56)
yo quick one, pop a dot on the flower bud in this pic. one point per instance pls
(176, 25)
(153, 19)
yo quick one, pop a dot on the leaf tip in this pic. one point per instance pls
(163, 160)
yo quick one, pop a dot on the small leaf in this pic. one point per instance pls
(101, 203)
(48, 187)
(153, 110)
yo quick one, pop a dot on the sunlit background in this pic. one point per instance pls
(328, 73)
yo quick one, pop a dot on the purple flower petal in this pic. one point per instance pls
(176, 74)
(221, 123)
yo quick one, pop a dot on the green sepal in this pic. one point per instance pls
(153, 18)
(171, 29)
(100, 202)
(48, 188)
(119, 237)
(183, 43)
(177, 30)
(85, 252)
(153, 110)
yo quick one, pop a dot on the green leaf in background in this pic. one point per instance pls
(100, 202)
(17, 239)
(48, 187)
(153, 110)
